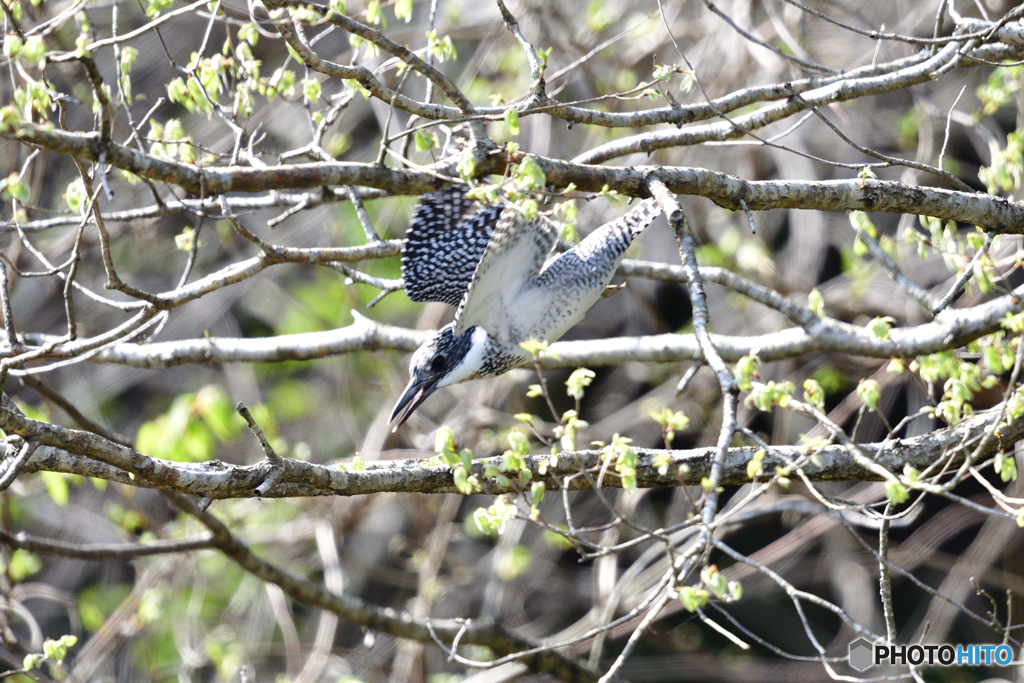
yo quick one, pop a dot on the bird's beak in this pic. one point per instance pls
(415, 392)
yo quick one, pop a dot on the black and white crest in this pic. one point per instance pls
(444, 243)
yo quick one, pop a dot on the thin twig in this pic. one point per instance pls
(73, 412)
(964, 277)
(884, 581)
(102, 551)
(274, 460)
(14, 466)
(912, 289)
(364, 217)
(12, 337)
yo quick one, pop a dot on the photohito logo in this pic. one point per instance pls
(864, 655)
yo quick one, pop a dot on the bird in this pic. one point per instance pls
(500, 269)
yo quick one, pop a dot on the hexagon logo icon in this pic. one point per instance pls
(861, 654)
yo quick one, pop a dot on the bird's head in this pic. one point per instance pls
(445, 359)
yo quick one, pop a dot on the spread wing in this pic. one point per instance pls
(513, 259)
(444, 244)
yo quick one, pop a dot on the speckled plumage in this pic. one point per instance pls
(498, 268)
(443, 245)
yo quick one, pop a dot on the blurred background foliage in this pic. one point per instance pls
(197, 616)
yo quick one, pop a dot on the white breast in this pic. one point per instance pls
(471, 363)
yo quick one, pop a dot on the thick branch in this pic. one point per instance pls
(993, 213)
(951, 329)
(67, 450)
(839, 91)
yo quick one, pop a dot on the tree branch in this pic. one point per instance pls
(399, 624)
(993, 213)
(67, 450)
(950, 329)
(101, 551)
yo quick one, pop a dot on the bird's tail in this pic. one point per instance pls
(639, 217)
(631, 224)
(611, 240)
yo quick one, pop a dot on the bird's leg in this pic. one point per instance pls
(612, 290)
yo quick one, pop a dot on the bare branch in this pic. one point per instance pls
(993, 213)
(379, 618)
(101, 551)
(299, 478)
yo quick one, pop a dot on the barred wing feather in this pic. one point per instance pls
(444, 243)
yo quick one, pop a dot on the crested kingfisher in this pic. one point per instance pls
(498, 268)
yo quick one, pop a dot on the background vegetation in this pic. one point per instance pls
(201, 201)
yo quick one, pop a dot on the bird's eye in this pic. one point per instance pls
(437, 364)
